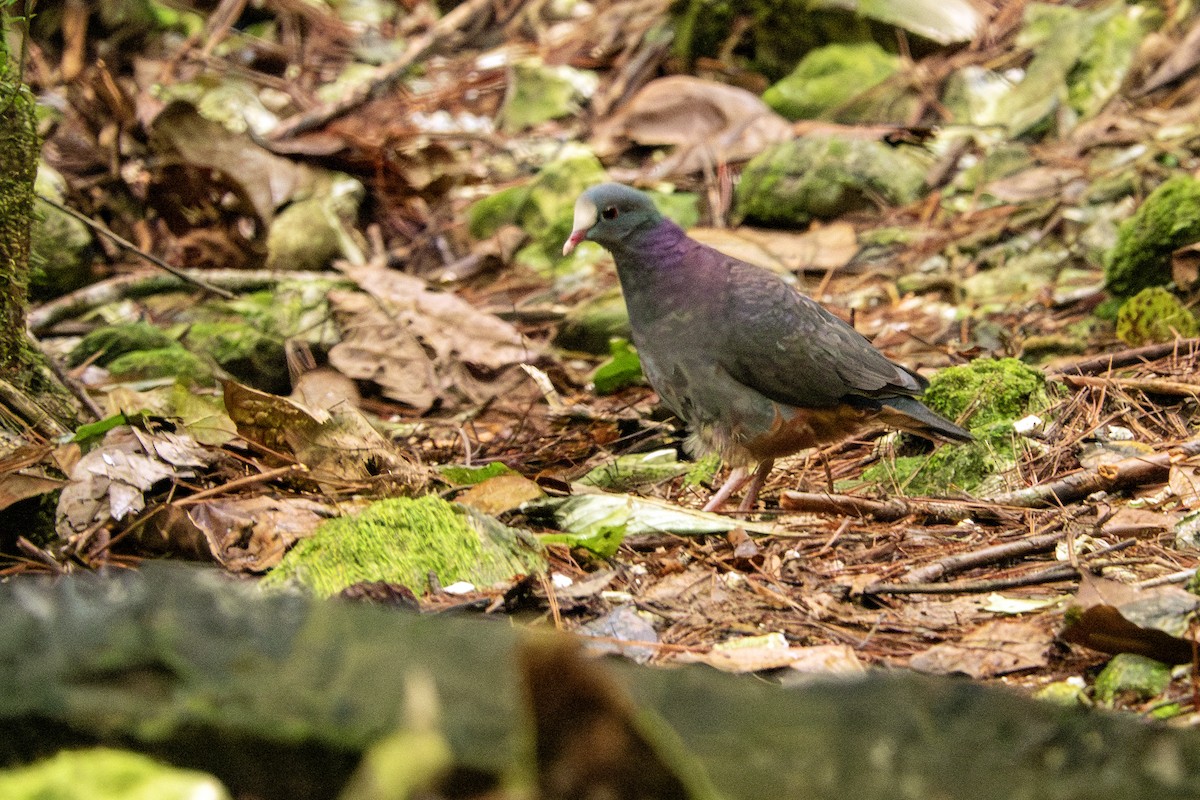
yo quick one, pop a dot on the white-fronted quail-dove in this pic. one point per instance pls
(755, 369)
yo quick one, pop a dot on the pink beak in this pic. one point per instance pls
(574, 239)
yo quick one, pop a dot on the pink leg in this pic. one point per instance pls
(735, 481)
(756, 484)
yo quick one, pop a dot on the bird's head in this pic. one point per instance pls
(609, 214)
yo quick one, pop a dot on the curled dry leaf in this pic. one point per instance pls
(248, 534)
(823, 248)
(337, 446)
(110, 482)
(261, 179)
(422, 346)
(1113, 618)
(707, 121)
(994, 648)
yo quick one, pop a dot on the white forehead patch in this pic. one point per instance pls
(586, 214)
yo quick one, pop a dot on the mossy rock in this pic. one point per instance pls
(1137, 677)
(403, 541)
(1154, 315)
(780, 36)
(828, 77)
(61, 248)
(591, 325)
(313, 231)
(173, 361)
(545, 208)
(1167, 220)
(112, 341)
(251, 355)
(991, 391)
(824, 177)
(102, 773)
(988, 396)
(538, 92)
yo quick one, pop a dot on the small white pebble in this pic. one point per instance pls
(561, 581)
(459, 587)
(1027, 424)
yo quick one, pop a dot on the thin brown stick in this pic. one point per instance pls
(133, 248)
(249, 480)
(888, 510)
(1126, 474)
(1060, 572)
(960, 562)
(1154, 385)
(388, 74)
(1125, 358)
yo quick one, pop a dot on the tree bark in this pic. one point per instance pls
(22, 366)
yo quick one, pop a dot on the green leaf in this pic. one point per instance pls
(621, 369)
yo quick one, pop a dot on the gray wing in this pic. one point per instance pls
(787, 347)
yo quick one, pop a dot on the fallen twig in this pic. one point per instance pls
(182, 275)
(1126, 474)
(388, 74)
(1125, 358)
(118, 287)
(961, 562)
(1155, 385)
(1060, 572)
(889, 510)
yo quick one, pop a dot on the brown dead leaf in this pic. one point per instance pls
(823, 248)
(1184, 480)
(336, 446)
(759, 653)
(501, 493)
(262, 180)
(1183, 59)
(1138, 522)
(423, 346)
(242, 534)
(110, 482)
(1185, 266)
(994, 648)
(1035, 183)
(1105, 629)
(1113, 618)
(706, 120)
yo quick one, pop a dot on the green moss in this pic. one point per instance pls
(989, 391)
(538, 92)
(590, 326)
(1132, 675)
(1154, 315)
(112, 341)
(173, 361)
(469, 476)
(987, 395)
(545, 207)
(248, 353)
(102, 773)
(623, 368)
(828, 77)
(1167, 220)
(824, 177)
(403, 541)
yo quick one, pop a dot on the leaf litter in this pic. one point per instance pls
(1004, 258)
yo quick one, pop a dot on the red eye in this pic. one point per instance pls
(609, 213)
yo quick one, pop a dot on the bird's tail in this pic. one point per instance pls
(910, 414)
